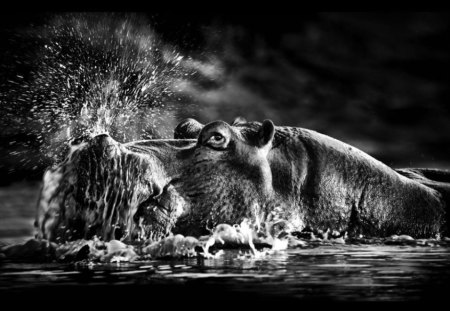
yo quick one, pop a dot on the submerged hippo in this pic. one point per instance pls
(221, 173)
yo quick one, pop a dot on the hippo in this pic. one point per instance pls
(222, 173)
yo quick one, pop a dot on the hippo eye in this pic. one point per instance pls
(216, 139)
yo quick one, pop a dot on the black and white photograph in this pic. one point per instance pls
(211, 159)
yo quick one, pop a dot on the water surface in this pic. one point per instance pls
(326, 273)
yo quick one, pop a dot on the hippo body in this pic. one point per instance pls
(306, 178)
(221, 173)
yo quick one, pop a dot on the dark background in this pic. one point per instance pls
(378, 81)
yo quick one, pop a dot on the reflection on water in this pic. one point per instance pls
(338, 272)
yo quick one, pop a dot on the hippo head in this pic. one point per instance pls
(209, 174)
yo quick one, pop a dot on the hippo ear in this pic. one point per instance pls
(239, 120)
(188, 129)
(266, 133)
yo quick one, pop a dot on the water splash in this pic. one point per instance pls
(95, 73)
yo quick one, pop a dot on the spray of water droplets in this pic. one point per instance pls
(95, 73)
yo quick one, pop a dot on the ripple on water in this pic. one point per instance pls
(368, 273)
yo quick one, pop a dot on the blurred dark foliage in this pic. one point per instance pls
(378, 81)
